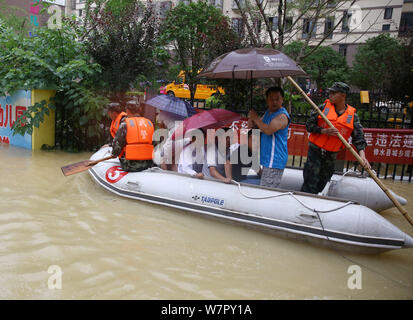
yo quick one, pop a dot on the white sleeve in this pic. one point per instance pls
(184, 165)
(211, 156)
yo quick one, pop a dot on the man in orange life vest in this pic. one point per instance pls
(133, 141)
(324, 142)
(116, 114)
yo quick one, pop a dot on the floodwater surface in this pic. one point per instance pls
(68, 238)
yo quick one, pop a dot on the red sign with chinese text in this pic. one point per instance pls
(383, 145)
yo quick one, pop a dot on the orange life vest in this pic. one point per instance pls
(139, 132)
(114, 126)
(343, 123)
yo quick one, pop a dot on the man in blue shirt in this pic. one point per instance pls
(274, 127)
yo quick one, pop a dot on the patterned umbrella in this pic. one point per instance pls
(172, 104)
(209, 119)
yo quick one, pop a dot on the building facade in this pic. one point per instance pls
(406, 21)
(352, 25)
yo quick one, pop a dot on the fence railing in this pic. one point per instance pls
(381, 113)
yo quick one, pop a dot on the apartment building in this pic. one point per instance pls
(406, 21)
(78, 7)
(353, 25)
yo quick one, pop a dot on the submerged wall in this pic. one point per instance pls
(11, 107)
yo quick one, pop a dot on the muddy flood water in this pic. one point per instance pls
(68, 238)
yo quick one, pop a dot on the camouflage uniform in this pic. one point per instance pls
(319, 166)
(109, 139)
(119, 142)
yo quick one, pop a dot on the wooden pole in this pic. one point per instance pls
(355, 154)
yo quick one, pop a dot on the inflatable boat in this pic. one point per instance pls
(350, 185)
(323, 220)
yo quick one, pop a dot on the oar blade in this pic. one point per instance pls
(76, 167)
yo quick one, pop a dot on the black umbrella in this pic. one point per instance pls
(252, 63)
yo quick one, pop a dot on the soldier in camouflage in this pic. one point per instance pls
(319, 166)
(119, 142)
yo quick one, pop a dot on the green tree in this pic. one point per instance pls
(375, 63)
(121, 35)
(199, 33)
(400, 83)
(55, 60)
(324, 64)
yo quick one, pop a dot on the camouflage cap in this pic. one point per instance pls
(133, 106)
(339, 87)
(114, 106)
(131, 102)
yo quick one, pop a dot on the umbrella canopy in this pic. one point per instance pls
(210, 119)
(252, 63)
(172, 105)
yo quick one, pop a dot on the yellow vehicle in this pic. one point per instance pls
(180, 89)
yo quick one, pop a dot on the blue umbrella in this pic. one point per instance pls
(172, 104)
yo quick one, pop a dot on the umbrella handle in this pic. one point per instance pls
(233, 77)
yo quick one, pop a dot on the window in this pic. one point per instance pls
(386, 27)
(388, 13)
(257, 25)
(80, 12)
(237, 25)
(273, 23)
(331, 3)
(288, 24)
(309, 27)
(406, 23)
(241, 3)
(346, 20)
(216, 3)
(328, 27)
(342, 49)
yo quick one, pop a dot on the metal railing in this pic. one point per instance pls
(381, 112)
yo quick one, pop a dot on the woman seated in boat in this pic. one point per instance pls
(245, 157)
(191, 159)
(168, 152)
(217, 162)
(133, 141)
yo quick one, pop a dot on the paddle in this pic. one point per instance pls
(81, 166)
(355, 154)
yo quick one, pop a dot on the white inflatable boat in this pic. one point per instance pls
(330, 221)
(351, 185)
